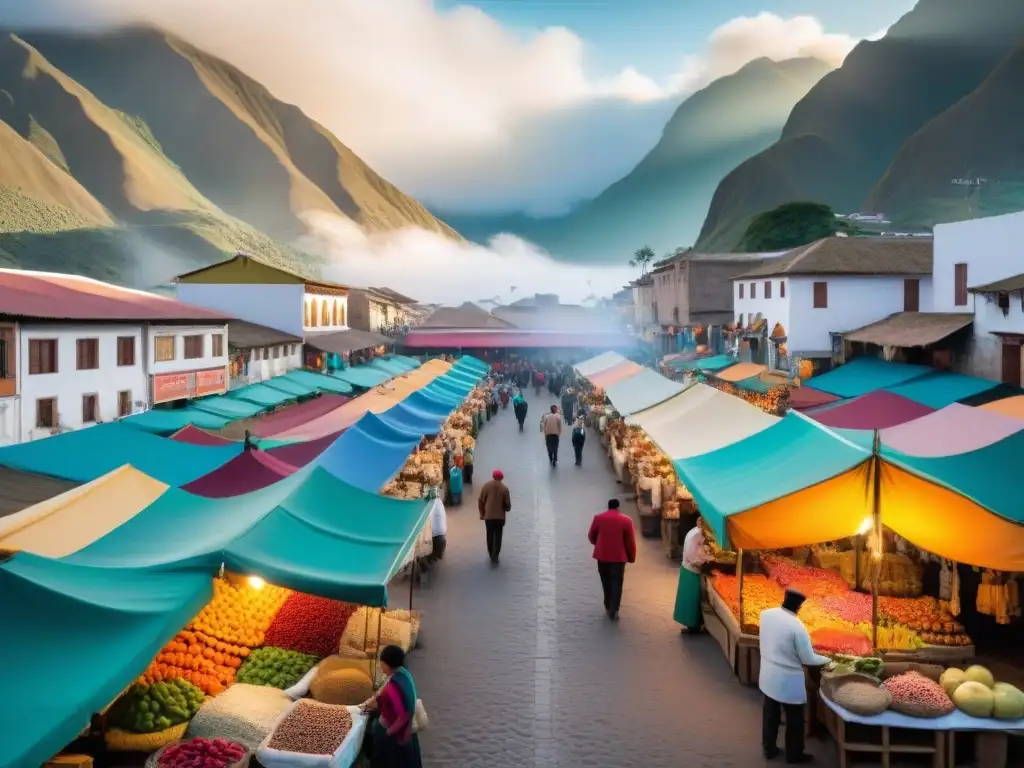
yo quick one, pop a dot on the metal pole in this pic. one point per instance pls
(412, 580)
(876, 524)
(380, 624)
(366, 627)
(739, 584)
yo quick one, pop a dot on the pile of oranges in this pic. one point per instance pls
(239, 615)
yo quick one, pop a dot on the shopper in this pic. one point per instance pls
(520, 406)
(785, 651)
(579, 437)
(688, 610)
(551, 427)
(614, 542)
(494, 503)
(395, 743)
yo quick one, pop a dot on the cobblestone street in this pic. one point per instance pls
(519, 666)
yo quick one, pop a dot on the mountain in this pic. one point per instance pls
(843, 135)
(134, 156)
(664, 199)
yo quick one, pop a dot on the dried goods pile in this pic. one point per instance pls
(344, 686)
(244, 714)
(157, 707)
(275, 667)
(309, 624)
(367, 625)
(312, 728)
(916, 695)
(201, 753)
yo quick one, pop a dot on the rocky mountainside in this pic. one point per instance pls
(133, 156)
(841, 139)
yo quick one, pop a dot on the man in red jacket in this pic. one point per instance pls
(614, 542)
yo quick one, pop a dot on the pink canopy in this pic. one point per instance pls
(801, 398)
(954, 429)
(875, 410)
(302, 453)
(247, 472)
(196, 436)
(294, 415)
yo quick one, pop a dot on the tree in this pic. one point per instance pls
(790, 226)
(642, 258)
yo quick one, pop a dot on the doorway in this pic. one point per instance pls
(1011, 364)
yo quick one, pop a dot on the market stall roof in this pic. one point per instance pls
(641, 391)
(712, 363)
(616, 373)
(318, 382)
(875, 410)
(804, 397)
(228, 407)
(599, 363)
(954, 429)
(262, 395)
(407, 417)
(369, 453)
(295, 415)
(699, 420)
(331, 539)
(20, 490)
(865, 374)
(432, 402)
(395, 369)
(340, 342)
(196, 436)
(800, 484)
(1011, 284)
(942, 388)
(509, 339)
(911, 329)
(85, 454)
(164, 421)
(291, 386)
(473, 362)
(121, 619)
(740, 371)
(246, 335)
(363, 376)
(1008, 406)
(408, 362)
(249, 471)
(303, 452)
(77, 517)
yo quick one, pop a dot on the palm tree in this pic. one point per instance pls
(642, 258)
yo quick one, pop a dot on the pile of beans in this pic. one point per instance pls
(915, 694)
(309, 624)
(312, 728)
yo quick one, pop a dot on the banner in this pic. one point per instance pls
(176, 386)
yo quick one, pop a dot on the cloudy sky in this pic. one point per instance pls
(492, 105)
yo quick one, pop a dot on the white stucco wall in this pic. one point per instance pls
(275, 306)
(181, 364)
(267, 366)
(10, 420)
(318, 300)
(68, 384)
(775, 310)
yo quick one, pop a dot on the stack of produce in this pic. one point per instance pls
(806, 579)
(343, 684)
(836, 640)
(275, 667)
(243, 714)
(367, 624)
(459, 423)
(759, 593)
(310, 624)
(919, 696)
(312, 728)
(403, 489)
(157, 707)
(849, 664)
(240, 614)
(206, 662)
(975, 692)
(202, 753)
(927, 616)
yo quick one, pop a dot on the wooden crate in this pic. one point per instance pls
(991, 748)
(882, 740)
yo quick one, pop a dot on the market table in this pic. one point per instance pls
(991, 735)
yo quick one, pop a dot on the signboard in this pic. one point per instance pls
(176, 386)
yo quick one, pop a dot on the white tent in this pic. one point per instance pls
(597, 364)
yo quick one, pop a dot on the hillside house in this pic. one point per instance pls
(644, 322)
(381, 310)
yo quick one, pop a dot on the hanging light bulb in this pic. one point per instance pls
(256, 582)
(865, 526)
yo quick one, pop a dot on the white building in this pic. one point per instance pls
(258, 353)
(76, 352)
(829, 287)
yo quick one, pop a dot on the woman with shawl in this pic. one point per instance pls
(394, 744)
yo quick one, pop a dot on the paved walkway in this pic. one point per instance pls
(519, 665)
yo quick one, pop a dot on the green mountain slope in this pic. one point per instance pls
(841, 138)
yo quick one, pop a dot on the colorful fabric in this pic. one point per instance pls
(687, 609)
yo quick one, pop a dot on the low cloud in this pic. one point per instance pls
(434, 269)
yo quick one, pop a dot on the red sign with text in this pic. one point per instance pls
(175, 386)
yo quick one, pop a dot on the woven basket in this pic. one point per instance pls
(860, 695)
(153, 761)
(125, 741)
(829, 683)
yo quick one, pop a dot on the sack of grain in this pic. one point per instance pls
(346, 687)
(861, 696)
(366, 626)
(314, 735)
(243, 713)
(893, 668)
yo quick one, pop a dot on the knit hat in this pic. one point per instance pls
(497, 474)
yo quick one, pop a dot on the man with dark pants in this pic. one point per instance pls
(551, 426)
(614, 542)
(494, 503)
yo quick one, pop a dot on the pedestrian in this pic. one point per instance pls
(394, 741)
(538, 382)
(785, 651)
(520, 407)
(688, 601)
(568, 401)
(494, 503)
(614, 542)
(438, 529)
(467, 465)
(551, 426)
(579, 437)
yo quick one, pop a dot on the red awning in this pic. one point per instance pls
(804, 397)
(523, 339)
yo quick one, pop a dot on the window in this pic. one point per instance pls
(314, 313)
(42, 356)
(739, 320)
(341, 313)
(46, 412)
(753, 290)
(767, 289)
(326, 317)
(164, 349)
(124, 403)
(782, 289)
(821, 295)
(193, 346)
(911, 295)
(88, 409)
(337, 312)
(960, 285)
(277, 352)
(741, 290)
(308, 322)
(217, 340)
(87, 354)
(5, 347)
(291, 350)
(125, 350)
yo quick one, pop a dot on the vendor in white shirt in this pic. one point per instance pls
(695, 554)
(785, 651)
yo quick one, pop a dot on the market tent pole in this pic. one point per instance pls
(380, 625)
(412, 580)
(739, 584)
(876, 526)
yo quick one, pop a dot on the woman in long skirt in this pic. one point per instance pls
(394, 744)
(688, 603)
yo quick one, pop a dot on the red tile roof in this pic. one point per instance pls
(514, 339)
(52, 296)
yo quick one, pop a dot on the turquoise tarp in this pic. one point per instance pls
(320, 382)
(229, 407)
(410, 363)
(362, 376)
(85, 454)
(262, 395)
(863, 375)
(457, 384)
(468, 361)
(167, 421)
(291, 386)
(432, 402)
(333, 540)
(942, 388)
(754, 384)
(406, 416)
(789, 456)
(74, 637)
(369, 453)
(388, 366)
(467, 372)
(713, 363)
(644, 390)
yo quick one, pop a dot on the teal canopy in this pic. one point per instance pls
(713, 363)
(261, 394)
(362, 376)
(793, 454)
(229, 407)
(320, 382)
(460, 379)
(410, 363)
(293, 387)
(442, 394)
(468, 361)
(754, 384)
(74, 637)
(331, 539)
(388, 366)
(865, 374)
(167, 421)
(85, 454)
(942, 388)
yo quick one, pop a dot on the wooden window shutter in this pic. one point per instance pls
(821, 295)
(960, 284)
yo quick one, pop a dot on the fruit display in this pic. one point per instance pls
(239, 614)
(201, 753)
(927, 616)
(309, 624)
(312, 728)
(204, 661)
(916, 695)
(837, 640)
(157, 707)
(975, 692)
(806, 579)
(349, 687)
(895, 637)
(275, 667)
(243, 713)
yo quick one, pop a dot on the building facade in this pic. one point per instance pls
(257, 353)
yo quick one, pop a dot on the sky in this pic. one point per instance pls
(492, 106)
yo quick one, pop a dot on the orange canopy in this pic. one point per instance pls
(615, 374)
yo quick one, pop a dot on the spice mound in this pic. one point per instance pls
(916, 695)
(312, 728)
